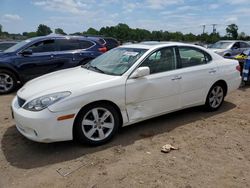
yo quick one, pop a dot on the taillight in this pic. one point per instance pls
(238, 68)
(102, 49)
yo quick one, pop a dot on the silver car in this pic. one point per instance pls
(227, 48)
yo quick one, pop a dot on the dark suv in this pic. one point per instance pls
(40, 55)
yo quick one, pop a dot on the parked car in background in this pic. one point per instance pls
(111, 42)
(6, 44)
(126, 85)
(41, 55)
(228, 48)
(108, 42)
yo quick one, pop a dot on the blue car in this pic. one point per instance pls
(6, 44)
(41, 55)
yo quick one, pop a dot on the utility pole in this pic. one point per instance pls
(204, 27)
(214, 28)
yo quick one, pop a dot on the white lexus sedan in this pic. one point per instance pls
(126, 85)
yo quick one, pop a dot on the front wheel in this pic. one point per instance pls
(8, 82)
(215, 97)
(96, 124)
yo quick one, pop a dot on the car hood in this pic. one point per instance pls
(73, 80)
(5, 56)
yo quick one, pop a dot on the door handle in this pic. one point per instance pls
(211, 71)
(52, 56)
(176, 78)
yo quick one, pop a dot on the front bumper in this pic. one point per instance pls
(42, 126)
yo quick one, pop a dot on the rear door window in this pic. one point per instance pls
(68, 44)
(190, 56)
(244, 45)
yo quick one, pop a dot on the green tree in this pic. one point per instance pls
(232, 31)
(1, 29)
(76, 33)
(122, 31)
(60, 31)
(157, 35)
(92, 31)
(29, 34)
(242, 36)
(43, 30)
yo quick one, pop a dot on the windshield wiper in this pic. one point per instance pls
(89, 66)
(96, 68)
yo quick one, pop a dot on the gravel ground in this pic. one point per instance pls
(213, 152)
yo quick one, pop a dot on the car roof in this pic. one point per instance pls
(56, 36)
(155, 44)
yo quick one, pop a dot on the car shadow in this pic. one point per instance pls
(25, 154)
(245, 87)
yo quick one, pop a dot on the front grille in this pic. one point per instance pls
(20, 101)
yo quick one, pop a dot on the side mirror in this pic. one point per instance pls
(140, 72)
(26, 52)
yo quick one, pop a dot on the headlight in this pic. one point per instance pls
(43, 102)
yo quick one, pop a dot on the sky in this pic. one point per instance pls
(17, 16)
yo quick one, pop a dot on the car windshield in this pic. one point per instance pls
(116, 61)
(17, 46)
(221, 45)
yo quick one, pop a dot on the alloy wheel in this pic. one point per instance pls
(216, 96)
(97, 124)
(6, 82)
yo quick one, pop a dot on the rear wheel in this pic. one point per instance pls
(96, 124)
(8, 82)
(215, 97)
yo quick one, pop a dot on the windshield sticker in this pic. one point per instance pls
(131, 53)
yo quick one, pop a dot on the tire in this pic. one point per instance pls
(8, 81)
(215, 97)
(96, 124)
(227, 55)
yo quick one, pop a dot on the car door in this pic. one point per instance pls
(198, 73)
(40, 59)
(158, 92)
(73, 52)
(65, 57)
